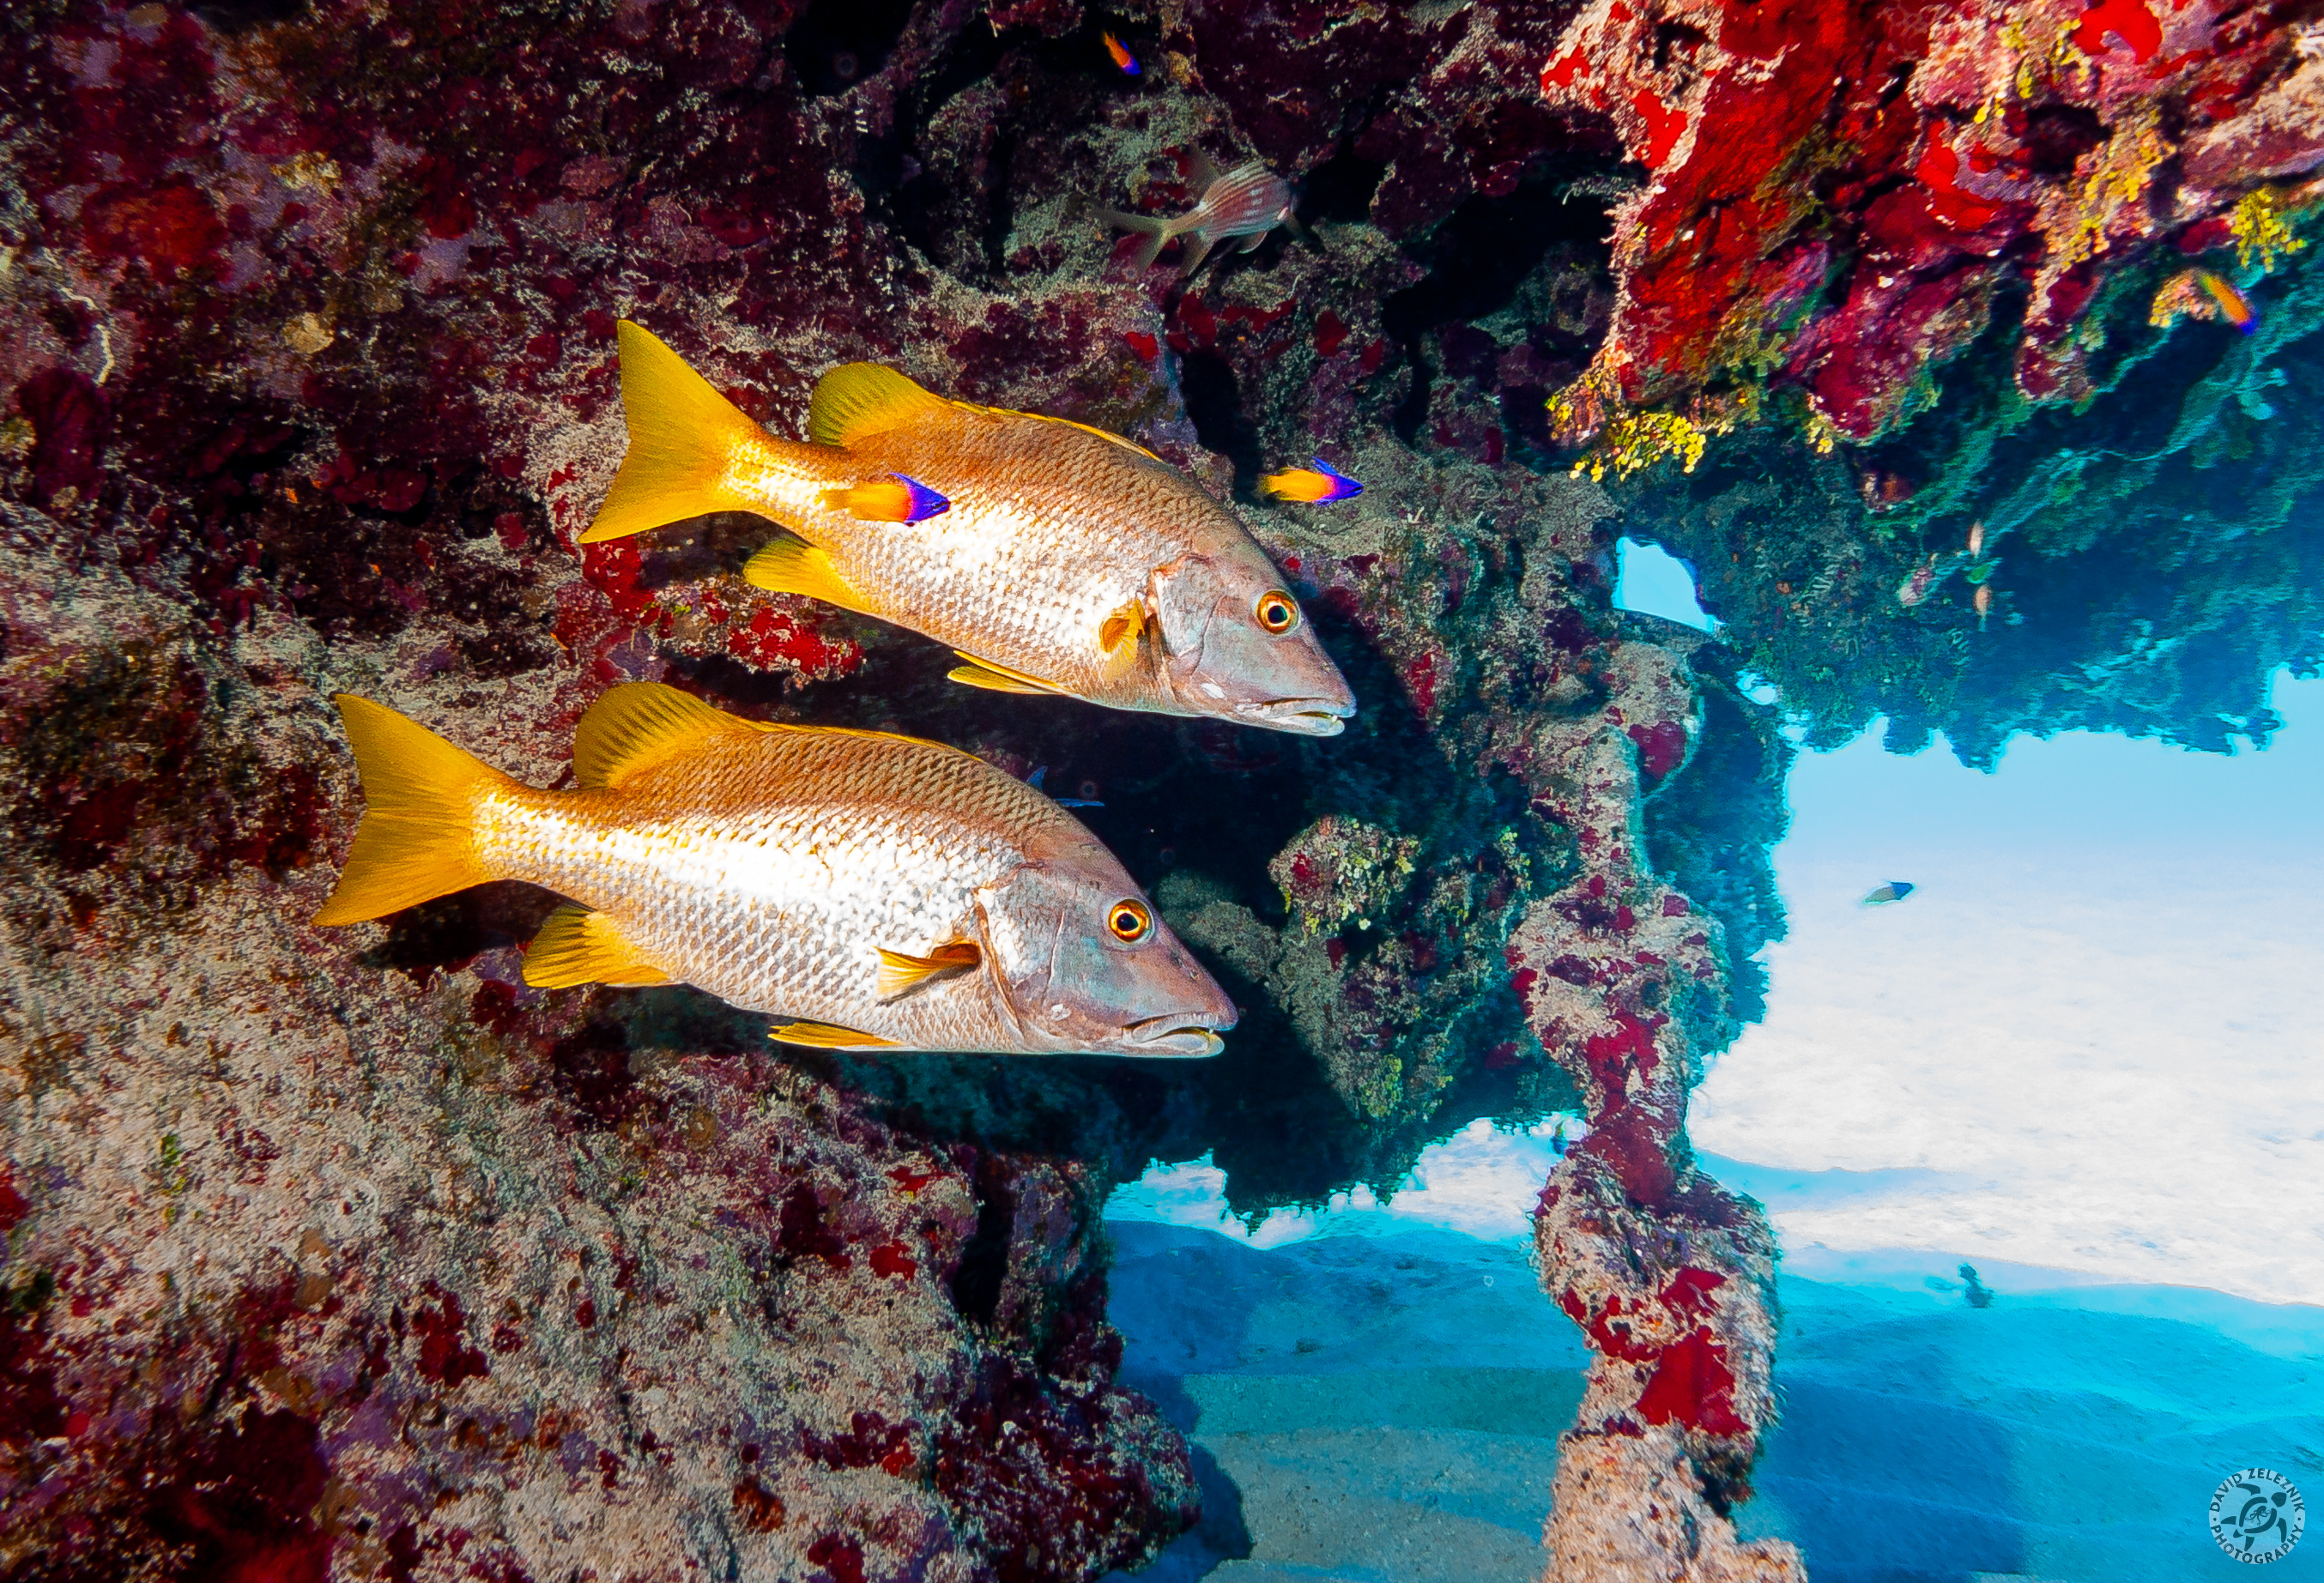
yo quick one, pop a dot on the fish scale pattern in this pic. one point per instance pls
(1052, 529)
(768, 868)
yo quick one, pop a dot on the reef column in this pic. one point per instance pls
(1670, 1277)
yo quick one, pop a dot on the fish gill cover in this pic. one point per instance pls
(352, 1251)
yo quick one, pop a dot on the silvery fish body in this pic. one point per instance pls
(874, 890)
(1054, 532)
(1056, 557)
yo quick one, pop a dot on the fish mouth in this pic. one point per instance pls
(1179, 1033)
(1306, 717)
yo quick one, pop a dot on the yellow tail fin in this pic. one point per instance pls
(417, 839)
(683, 437)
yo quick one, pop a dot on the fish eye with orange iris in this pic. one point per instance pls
(1276, 612)
(1130, 921)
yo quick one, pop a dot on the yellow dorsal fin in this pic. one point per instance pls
(577, 946)
(857, 399)
(996, 677)
(900, 971)
(640, 724)
(826, 1035)
(418, 838)
(684, 437)
(1105, 434)
(787, 566)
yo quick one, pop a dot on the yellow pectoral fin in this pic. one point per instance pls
(1123, 626)
(900, 972)
(683, 438)
(824, 1035)
(996, 677)
(577, 946)
(787, 566)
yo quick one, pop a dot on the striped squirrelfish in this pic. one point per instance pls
(871, 891)
(1053, 557)
(1248, 201)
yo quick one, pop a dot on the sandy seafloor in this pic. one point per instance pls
(2085, 1056)
(1381, 1404)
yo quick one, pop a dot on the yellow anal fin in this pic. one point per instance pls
(417, 837)
(787, 566)
(900, 971)
(640, 724)
(577, 946)
(826, 1035)
(684, 437)
(993, 678)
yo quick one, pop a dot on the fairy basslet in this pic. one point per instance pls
(2234, 306)
(1067, 560)
(898, 499)
(1317, 484)
(1894, 890)
(1247, 202)
(1122, 59)
(869, 891)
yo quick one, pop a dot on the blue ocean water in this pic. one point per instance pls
(1378, 1402)
(2113, 927)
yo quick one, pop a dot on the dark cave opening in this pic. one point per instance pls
(1481, 254)
(234, 16)
(1341, 188)
(1213, 401)
(1479, 260)
(840, 42)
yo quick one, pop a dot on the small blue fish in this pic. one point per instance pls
(1035, 779)
(1894, 890)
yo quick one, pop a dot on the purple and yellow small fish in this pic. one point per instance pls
(1123, 58)
(2234, 306)
(1317, 484)
(1248, 201)
(870, 892)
